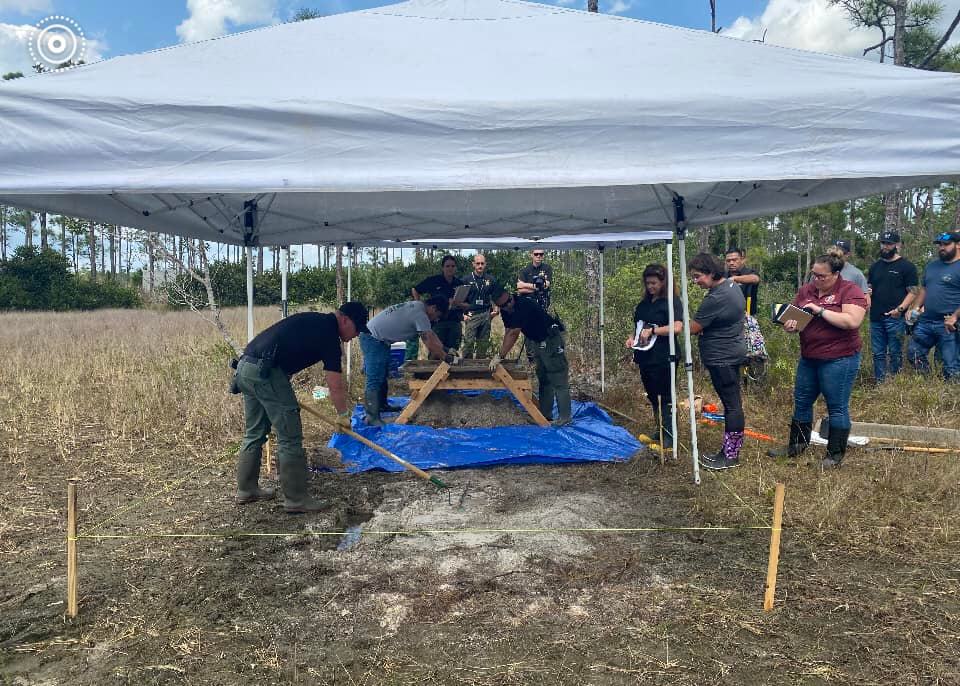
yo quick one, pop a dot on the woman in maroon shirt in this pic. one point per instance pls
(829, 356)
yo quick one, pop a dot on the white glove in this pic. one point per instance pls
(495, 362)
(452, 359)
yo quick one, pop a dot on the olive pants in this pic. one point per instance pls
(553, 376)
(270, 402)
(476, 334)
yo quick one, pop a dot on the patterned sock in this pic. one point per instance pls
(732, 440)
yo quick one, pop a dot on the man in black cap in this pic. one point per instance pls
(263, 376)
(543, 335)
(939, 295)
(893, 284)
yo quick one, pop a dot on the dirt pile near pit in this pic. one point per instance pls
(454, 410)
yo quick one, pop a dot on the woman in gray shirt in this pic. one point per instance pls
(719, 323)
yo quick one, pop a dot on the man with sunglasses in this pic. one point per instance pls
(940, 298)
(535, 279)
(544, 336)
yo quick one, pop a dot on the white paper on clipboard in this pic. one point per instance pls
(636, 338)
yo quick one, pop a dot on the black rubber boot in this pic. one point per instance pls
(371, 406)
(293, 478)
(385, 405)
(836, 448)
(799, 440)
(248, 473)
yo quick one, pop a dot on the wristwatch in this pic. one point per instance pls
(901, 309)
(820, 313)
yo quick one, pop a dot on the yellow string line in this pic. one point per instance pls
(746, 505)
(165, 489)
(420, 532)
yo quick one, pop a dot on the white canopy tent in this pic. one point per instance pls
(437, 118)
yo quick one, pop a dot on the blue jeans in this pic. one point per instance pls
(376, 361)
(886, 338)
(831, 378)
(928, 334)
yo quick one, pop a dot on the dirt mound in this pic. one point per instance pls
(444, 410)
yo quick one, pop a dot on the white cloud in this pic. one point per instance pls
(210, 18)
(26, 6)
(15, 52)
(618, 7)
(807, 24)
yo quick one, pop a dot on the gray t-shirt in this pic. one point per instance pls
(942, 281)
(400, 322)
(851, 273)
(721, 315)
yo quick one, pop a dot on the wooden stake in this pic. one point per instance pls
(774, 549)
(269, 466)
(71, 550)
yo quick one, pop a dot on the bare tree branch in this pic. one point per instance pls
(940, 43)
(878, 45)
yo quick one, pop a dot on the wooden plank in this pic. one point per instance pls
(921, 435)
(519, 393)
(774, 558)
(467, 385)
(423, 393)
(467, 368)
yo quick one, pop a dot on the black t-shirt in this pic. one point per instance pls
(890, 282)
(527, 316)
(656, 313)
(530, 273)
(721, 315)
(481, 287)
(437, 285)
(299, 341)
(749, 290)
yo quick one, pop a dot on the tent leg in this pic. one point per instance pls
(249, 293)
(603, 360)
(681, 231)
(673, 352)
(349, 297)
(284, 268)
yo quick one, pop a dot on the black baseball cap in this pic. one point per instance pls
(356, 313)
(948, 237)
(843, 245)
(889, 237)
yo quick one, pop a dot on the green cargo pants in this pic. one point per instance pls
(270, 402)
(553, 376)
(476, 334)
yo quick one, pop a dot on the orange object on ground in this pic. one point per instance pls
(746, 432)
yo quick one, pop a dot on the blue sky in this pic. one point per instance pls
(114, 28)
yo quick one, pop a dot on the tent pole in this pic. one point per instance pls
(249, 293)
(349, 298)
(673, 350)
(284, 268)
(680, 226)
(603, 359)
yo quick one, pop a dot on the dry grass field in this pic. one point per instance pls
(177, 586)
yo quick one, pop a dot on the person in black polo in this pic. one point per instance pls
(543, 334)
(476, 327)
(444, 284)
(263, 376)
(893, 282)
(536, 278)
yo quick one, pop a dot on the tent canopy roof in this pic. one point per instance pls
(436, 118)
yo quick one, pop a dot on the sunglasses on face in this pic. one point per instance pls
(538, 254)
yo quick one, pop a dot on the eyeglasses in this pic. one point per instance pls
(538, 254)
(821, 277)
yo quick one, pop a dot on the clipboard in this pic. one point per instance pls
(636, 338)
(460, 295)
(783, 313)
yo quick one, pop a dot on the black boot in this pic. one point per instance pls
(371, 406)
(836, 448)
(385, 405)
(799, 440)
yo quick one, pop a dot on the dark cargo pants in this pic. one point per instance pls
(552, 375)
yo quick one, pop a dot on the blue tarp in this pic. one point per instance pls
(591, 437)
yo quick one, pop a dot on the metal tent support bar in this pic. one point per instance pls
(249, 293)
(603, 357)
(681, 229)
(284, 268)
(349, 298)
(673, 350)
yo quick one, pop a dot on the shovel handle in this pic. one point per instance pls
(370, 444)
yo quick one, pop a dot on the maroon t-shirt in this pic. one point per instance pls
(820, 340)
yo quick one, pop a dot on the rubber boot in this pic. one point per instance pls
(385, 405)
(248, 473)
(799, 440)
(293, 478)
(836, 448)
(371, 405)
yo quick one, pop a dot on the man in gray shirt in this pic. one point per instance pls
(398, 323)
(851, 272)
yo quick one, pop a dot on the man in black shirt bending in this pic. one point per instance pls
(263, 376)
(543, 334)
(893, 282)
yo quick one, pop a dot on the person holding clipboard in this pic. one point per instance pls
(829, 356)
(651, 346)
